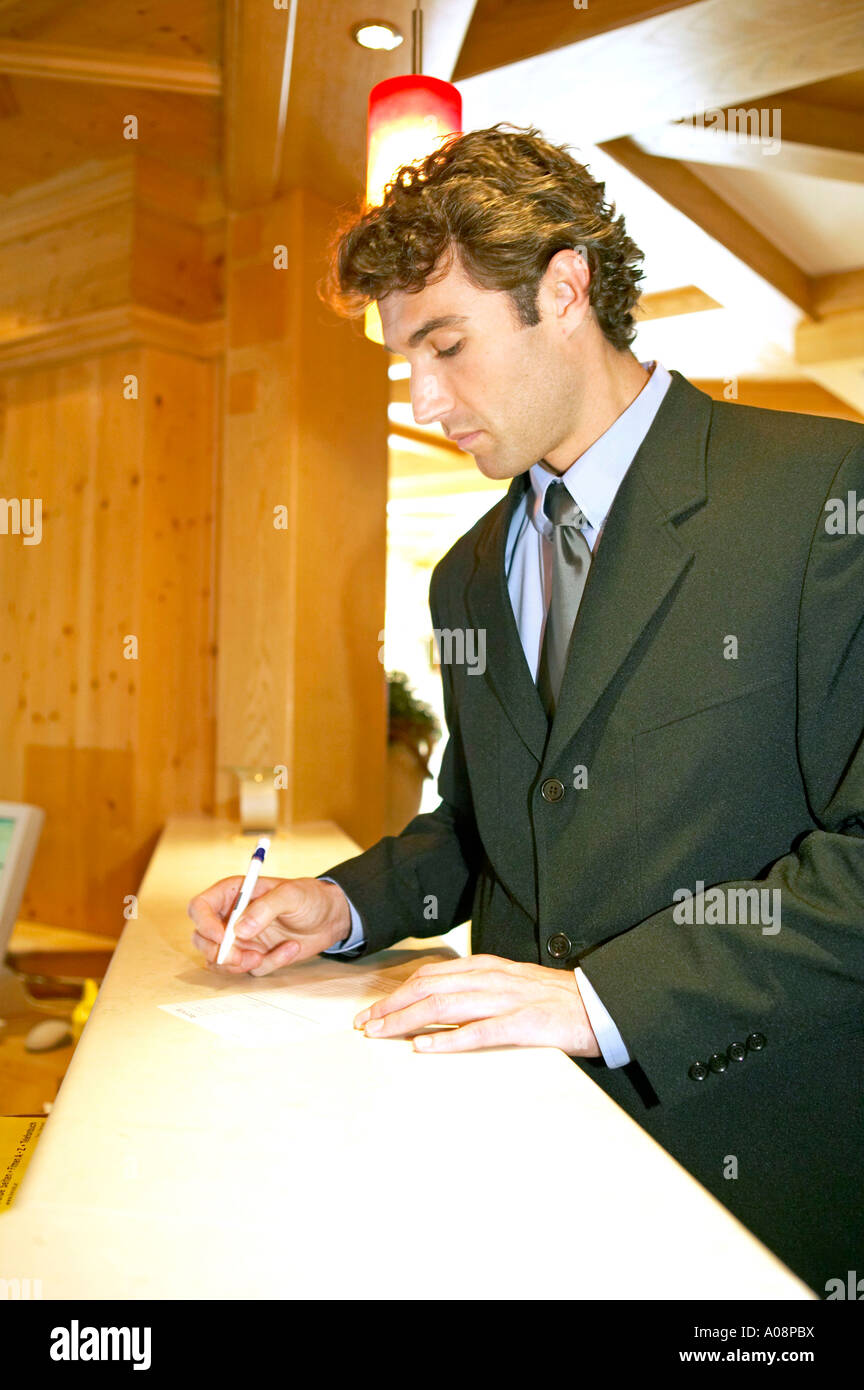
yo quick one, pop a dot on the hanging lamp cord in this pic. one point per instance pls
(417, 39)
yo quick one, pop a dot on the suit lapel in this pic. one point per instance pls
(640, 558)
(488, 602)
(635, 567)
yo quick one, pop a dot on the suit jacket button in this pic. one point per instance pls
(559, 946)
(736, 1052)
(756, 1042)
(698, 1071)
(552, 789)
(719, 1061)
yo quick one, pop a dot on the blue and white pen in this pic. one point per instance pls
(243, 897)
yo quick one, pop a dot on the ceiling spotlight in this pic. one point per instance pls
(376, 33)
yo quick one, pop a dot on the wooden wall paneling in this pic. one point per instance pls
(70, 267)
(174, 730)
(109, 746)
(75, 63)
(61, 127)
(85, 863)
(169, 29)
(72, 759)
(193, 198)
(177, 267)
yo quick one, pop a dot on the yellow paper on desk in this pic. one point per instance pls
(18, 1138)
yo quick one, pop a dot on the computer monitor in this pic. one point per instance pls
(20, 828)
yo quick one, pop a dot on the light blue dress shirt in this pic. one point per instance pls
(592, 482)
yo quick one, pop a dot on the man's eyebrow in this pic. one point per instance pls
(443, 321)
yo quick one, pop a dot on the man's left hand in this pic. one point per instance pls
(498, 1002)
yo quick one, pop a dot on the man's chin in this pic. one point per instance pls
(499, 470)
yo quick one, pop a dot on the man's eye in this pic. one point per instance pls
(451, 351)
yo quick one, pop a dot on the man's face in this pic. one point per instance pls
(511, 385)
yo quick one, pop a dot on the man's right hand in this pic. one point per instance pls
(287, 920)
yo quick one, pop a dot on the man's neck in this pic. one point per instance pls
(615, 385)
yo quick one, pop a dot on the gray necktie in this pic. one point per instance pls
(572, 558)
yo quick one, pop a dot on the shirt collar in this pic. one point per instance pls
(595, 477)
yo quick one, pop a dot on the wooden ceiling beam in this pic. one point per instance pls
(505, 31)
(811, 123)
(698, 145)
(678, 186)
(259, 45)
(709, 54)
(832, 353)
(64, 62)
(837, 338)
(421, 436)
(665, 304)
(838, 292)
(779, 135)
(768, 393)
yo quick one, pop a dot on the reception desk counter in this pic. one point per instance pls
(176, 1164)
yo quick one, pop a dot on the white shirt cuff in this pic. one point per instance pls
(609, 1040)
(356, 937)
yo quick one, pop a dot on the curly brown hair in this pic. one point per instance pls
(505, 201)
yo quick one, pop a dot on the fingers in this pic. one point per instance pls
(495, 1028)
(240, 960)
(210, 909)
(437, 1008)
(487, 1006)
(260, 945)
(281, 955)
(207, 911)
(422, 984)
(488, 1032)
(470, 963)
(284, 898)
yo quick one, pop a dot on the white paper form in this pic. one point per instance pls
(267, 1016)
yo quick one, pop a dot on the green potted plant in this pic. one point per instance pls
(412, 732)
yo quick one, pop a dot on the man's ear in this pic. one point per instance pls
(564, 289)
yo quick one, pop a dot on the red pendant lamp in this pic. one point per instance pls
(407, 117)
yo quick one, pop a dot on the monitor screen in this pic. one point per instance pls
(20, 826)
(7, 825)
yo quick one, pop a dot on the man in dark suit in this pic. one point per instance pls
(652, 796)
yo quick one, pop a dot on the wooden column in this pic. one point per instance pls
(303, 530)
(110, 379)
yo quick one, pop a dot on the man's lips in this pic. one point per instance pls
(463, 438)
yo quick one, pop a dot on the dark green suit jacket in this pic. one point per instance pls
(714, 695)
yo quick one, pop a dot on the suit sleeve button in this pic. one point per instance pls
(756, 1042)
(718, 1062)
(698, 1071)
(736, 1052)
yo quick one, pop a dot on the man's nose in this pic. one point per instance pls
(429, 398)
